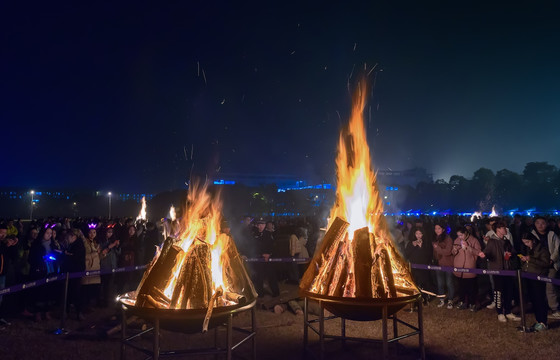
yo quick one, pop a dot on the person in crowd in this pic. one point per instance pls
(127, 280)
(41, 264)
(536, 260)
(74, 260)
(443, 247)
(419, 251)
(109, 256)
(298, 249)
(263, 242)
(11, 228)
(549, 240)
(7, 244)
(91, 284)
(152, 238)
(501, 256)
(516, 229)
(465, 251)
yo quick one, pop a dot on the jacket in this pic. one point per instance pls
(539, 260)
(443, 251)
(553, 244)
(495, 250)
(466, 258)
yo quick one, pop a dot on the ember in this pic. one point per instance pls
(357, 258)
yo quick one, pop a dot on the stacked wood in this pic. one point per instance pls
(363, 261)
(193, 288)
(338, 281)
(388, 281)
(157, 276)
(239, 287)
(326, 254)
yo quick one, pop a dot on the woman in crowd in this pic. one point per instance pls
(501, 256)
(443, 247)
(128, 246)
(110, 252)
(466, 249)
(419, 251)
(536, 260)
(298, 249)
(75, 261)
(91, 284)
(41, 264)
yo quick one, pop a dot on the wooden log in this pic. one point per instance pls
(377, 284)
(327, 249)
(236, 278)
(338, 281)
(211, 304)
(158, 275)
(363, 261)
(387, 270)
(236, 298)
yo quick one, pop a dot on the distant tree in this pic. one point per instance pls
(508, 191)
(482, 186)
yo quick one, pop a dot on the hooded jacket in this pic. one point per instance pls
(466, 258)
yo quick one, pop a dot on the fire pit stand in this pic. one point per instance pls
(187, 321)
(384, 306)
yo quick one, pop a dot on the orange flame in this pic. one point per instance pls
(201, 222)
(357, 200)
(142, 215)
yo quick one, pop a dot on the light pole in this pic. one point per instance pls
(109, 193)
(32, 192)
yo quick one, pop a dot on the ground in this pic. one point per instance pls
(449, 334)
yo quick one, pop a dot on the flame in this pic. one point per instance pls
(142, 214)
(359, 204)
(201, 223)
(476, 214)
(493, 213)
(172, 213)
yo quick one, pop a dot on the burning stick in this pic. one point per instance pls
(363, 262)
(216, 295)
(236, 298)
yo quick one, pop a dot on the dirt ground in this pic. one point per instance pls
(449, 334)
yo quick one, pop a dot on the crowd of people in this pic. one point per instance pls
(42, 248)
(497, 243)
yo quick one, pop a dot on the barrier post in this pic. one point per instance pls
(523, 327)
(61, 330)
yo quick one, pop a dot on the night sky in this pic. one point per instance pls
(116, 95)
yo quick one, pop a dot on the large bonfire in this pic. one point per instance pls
(357, 258)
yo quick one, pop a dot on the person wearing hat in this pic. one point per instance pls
(263, 243)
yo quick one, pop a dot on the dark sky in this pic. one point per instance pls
(115, 95)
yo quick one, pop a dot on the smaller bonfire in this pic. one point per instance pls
(200, 268)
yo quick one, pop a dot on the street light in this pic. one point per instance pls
(109, 193)
(31, 211)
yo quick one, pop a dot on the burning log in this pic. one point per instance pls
(215, 296)
(236, 278)
(156, 277)
(338, 281)
(193, 289)
(362, 249)
(386, 269)
(317, 273)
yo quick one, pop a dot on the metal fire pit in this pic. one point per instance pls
(188, 321)
(361, 310)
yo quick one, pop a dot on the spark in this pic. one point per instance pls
(355, 44)
(223, 101)
(373, 68)
(293, 52)
(198, 69)
(204, 76)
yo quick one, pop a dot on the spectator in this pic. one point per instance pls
(109, 256)
(466, 249)
(443, 247)
(419, 251)
(91, 284)
(536, 260)
(550, 242)
(501, 256)
(75, 261)
(263, 242)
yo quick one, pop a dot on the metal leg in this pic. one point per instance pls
(254, 330)
(421, 331)
(343, 331)
(156, 339)
(216, 341)
(384, 312)
(395, 327)
(229, 335)
(305, 324)
(123, 333)
(321, 331)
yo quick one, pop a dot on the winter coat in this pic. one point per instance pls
(553, 243)
(298, 246)
(539, 260)
(92, 262)
(466, 258)
(495, 254)
(443, 251)
(75, 257)
(419, 255)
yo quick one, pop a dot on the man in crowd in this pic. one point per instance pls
(263, 243)
(549, 240)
